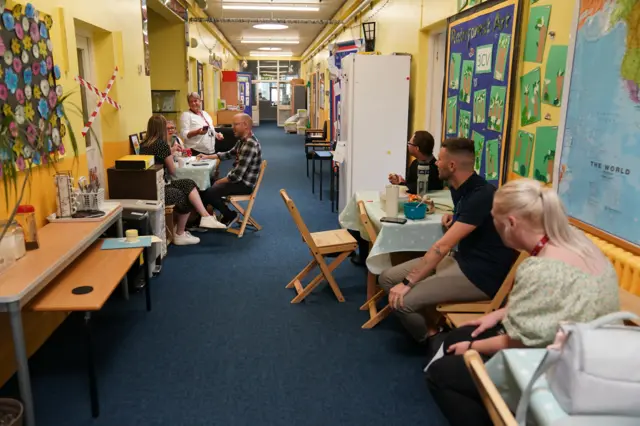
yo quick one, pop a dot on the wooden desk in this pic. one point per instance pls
(102, 270)
(60, 245)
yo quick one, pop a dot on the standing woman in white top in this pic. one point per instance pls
(196, 128)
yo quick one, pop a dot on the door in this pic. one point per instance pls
(435, 87)
(89, 101)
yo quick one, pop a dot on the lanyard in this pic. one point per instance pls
(538, 248)
(203, 117)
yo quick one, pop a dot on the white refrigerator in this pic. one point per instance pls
(374, 119)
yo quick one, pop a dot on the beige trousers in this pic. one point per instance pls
(447, 284)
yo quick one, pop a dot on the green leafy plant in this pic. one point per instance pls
(35, 146)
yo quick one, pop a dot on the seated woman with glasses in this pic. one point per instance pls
(175, 142)
(182, 193)
(420, 146)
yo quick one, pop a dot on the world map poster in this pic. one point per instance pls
(479, 73)
(600, 159)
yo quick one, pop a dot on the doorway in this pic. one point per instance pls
(435, 86)
(92, 141)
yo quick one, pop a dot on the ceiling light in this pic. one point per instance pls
(271, 8)
(270, 26)
(263, 41)
(257, 53)
(270, 48)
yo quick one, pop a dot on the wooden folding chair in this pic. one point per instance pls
(373, 296)
(459, 313)
(494, 403)
(245, 214)
(320, 244)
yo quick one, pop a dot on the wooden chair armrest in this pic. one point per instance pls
(313, 131)
(473, 307)
(317, 144)
(629, 302)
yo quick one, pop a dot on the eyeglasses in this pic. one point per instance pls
(171, 128)
(412, 144)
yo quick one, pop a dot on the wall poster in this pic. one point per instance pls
(599, 142)
(480, 72)
(340, 51)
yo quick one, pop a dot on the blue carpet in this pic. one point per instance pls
(224, 346)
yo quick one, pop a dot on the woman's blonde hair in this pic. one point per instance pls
(542, 208)
(156, 130)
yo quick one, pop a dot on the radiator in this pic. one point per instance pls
(626, 264)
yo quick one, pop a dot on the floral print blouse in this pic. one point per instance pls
(548, 291)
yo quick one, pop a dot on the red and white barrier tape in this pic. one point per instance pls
(103, 97)
(95, 90)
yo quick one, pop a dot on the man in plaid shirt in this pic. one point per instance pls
(243, 177)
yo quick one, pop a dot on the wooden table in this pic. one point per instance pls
(60, 245)
(98, 272)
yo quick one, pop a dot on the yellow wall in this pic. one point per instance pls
(205, 41)
(109, 26)
(168, 71)
(559, 22)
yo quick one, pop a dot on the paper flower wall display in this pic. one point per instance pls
(28, 87)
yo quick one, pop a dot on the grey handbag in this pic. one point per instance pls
(594, 371)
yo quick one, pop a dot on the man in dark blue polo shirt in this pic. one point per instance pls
(468, 264)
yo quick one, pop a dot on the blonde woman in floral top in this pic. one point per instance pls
(566, 278)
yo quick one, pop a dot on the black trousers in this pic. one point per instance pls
(452, 387)
(213, 196)
(363, 245)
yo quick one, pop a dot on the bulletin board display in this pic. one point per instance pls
(480, 71)
(341, 50)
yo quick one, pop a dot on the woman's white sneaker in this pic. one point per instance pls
(211, 222)
(185, 239)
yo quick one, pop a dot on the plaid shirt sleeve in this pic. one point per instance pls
(228, 154)
(247, 155)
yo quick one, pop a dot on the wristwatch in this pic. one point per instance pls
(406, 282)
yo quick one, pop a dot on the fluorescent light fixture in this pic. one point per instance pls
(270, 26)
(270, 48)
(267, 41)
(271, 7)
(257, 53)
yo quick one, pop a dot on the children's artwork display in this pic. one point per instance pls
(339, 51)
(554, 75)
(530, 109)
(522, 153)
(537, 33)
(545, 153)
(29, 90)
(479, 77)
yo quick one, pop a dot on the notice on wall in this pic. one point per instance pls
(478, 83)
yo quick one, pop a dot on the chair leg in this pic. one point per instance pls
(327, 269)
(325, 274)
(302, 273)
(372, 284)
(377, 317)
(307, 167)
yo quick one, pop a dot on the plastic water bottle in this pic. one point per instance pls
(423, 178)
